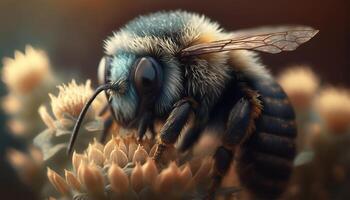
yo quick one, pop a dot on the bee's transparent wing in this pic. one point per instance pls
(270, 40)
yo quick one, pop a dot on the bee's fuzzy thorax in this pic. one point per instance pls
(163, 33)
(248, 63)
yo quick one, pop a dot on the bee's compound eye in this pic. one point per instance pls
(101, 71)
(147, 75)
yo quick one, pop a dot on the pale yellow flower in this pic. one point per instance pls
(333, 105)
(26, 70)
(28, 78)
(46, 117)
(11, 104)
(129, 173)
(71, 100)
(17, 127)
(27, 165)
(301, 84)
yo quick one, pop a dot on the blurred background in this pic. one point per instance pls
(72, 34)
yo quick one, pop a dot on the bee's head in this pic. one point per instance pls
(139, 86)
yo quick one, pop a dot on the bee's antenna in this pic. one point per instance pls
(82, 115)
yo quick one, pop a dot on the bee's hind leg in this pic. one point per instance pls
(236, 127)
(222, 161)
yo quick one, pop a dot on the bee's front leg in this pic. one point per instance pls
(107, 125)
(173, 125)
(195, 131)
(108, 115)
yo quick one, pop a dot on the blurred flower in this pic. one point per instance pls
(18, 127)
(301, 84)
(11, 104)
(333, 106)
(26, 70)
(323, 170)
(27, 165)
(28, 77)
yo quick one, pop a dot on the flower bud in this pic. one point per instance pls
(46, 117)
(97, 145)
(92, 178)
(72, 181)
(118, 157)
(132, 149)
(122, 147)
(118, 179)
(77, 159)
(149, 172)
(58, 182)
(95, 155)
(168, 179)
(109, 147)
(136, 178)
(140, 155)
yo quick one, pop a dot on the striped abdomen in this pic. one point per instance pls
(265, 162)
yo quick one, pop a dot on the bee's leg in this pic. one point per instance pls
(143, 125)
(236, 127)
(173, 126)
(153, 131)
(238, 123)
(108, 121)
(194, 132)
(104, 110)
(107, 124)
(222, 161)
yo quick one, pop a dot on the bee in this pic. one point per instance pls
(168, 66)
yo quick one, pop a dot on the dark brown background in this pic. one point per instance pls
(72, 31)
